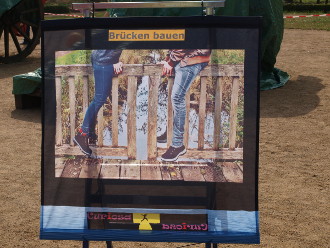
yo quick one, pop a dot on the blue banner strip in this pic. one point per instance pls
(150, 236)
(70, 223)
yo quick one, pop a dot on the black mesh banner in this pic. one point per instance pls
(150, 129)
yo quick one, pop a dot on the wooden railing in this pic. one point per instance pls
(70, 73)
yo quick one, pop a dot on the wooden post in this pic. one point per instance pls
(100, 127)
(154, 81)
(202, 113)
(59, 134)
(85, 94)
(217, 114)
(72, 105)
(115, 111)
(131, 117)
(186, 124)
(169, 113)
(233, 114)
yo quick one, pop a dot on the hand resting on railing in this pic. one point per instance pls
(118, 68)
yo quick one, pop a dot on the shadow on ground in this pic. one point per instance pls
(28, 115)
(27, 65)
(296, 98)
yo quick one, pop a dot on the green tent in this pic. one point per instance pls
(272, 33)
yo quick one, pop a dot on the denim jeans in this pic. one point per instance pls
(184, 76)
(103, 82)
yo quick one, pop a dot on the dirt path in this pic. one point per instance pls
(294, 155)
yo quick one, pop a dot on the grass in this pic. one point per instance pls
(75, 57)
(310, 23)
(309, 1)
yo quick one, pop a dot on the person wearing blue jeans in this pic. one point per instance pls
(105, 64)
(187, 64)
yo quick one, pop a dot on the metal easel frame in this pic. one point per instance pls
(208, 9)
(87, 8)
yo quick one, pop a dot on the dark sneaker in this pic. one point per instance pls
(92, 138)
(162, 138)
(173, 153)
(81, 140)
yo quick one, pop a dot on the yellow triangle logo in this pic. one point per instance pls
(145, 220)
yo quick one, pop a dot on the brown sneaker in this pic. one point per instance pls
(173, 153)
(81, 140)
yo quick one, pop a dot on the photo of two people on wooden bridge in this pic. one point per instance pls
(150, 114)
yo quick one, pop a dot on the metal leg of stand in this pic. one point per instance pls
(109, 244)
(86, 244)
(209, 245)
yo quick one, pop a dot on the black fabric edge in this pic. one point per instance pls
(152, 22)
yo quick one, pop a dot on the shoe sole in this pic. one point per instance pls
(86, 153)
(161, 141)
(173, 159)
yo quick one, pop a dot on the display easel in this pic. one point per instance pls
(208, 202)
(207, 8)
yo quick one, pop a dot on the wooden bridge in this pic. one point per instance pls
(71, 73)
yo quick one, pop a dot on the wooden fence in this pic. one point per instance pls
(70, 74)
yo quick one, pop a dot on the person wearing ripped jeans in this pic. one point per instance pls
(187, 64)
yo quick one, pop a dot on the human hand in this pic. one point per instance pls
(167, 69)
(118, 68)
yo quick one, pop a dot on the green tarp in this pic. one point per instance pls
(7, 5)
(272, 33)
(27, 83)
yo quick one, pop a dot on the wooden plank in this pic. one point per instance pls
(104, 151)
(154, 82)
(223, 71)
(77, 69)
(217, 113)
(150, 171)
(170, 113)
(100, 127)
(240, 165)
(85, 93)
(139, 70)
(90, 168)
(131, 117)
(191, 173)
(122, 151)
(174, 171)
(73, 167)
(210, 154)
(59, 165)
(115, 115)
(186, 124)
(110, 169)
(232, 172)
(166, 176)
(130, 170)
(233, 114)
(59, 132)
(152, 69)
(133, 70)
(213, 173)
(202, 113)
(72, 106)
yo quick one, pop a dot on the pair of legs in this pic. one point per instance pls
(103, 75)
(184, 76)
